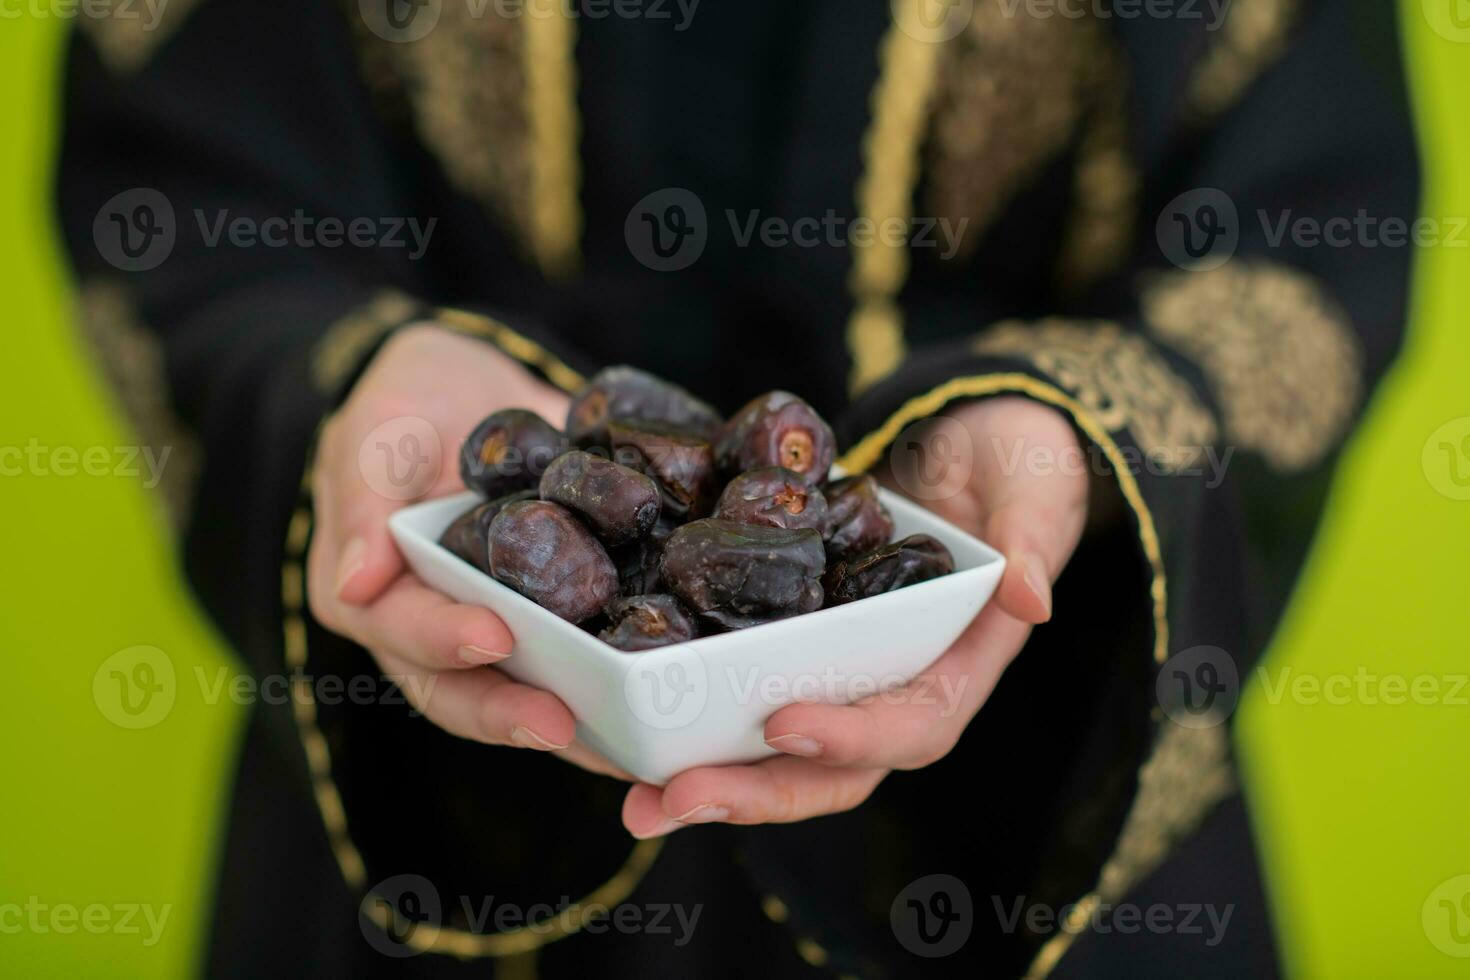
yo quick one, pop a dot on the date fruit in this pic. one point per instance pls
(739, 575)
(917, 558)
(775, 497)
(629, 394)
(777, 429)
(637, 562)
(642, 622)
(508, 451)
(619, 504)
(681, 461)
(857, 521)
(469, 535)
(542, 551)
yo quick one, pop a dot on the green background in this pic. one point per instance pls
(1363, 809)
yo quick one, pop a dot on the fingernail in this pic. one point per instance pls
(1033, 573)
(795, 744)
(524, 737)
(665, 826)
(479, 656)
(350, 563)
(704, 813)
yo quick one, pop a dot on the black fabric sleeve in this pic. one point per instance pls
(1216, 395)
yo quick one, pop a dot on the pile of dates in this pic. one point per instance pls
(650, 520)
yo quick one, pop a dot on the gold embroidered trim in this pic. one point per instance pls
(129, 33)
(1278, 355)
(550, 67)
(1254, 35)
(1010, 92)
(1105, 182)
(869, 450)
(341, 349)
(131, 358)
(1121, 379)
(885, 191)
(523, 349)
(424, 938)
(493, 97)
(1185, 776)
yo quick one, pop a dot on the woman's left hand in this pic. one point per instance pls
(833, 757)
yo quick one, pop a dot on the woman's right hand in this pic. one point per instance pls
(395, 441)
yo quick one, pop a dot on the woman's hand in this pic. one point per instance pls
(834, 756)
(395, 440)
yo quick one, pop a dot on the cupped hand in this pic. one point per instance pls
(1026, 495)
(396, 440)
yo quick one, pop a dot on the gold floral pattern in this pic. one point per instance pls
(132, 360)
(493, 97)
(1187, 774)
(1254, 35)
(127, 33)
(1277, 353)
(1010, 92)
(1119, 377)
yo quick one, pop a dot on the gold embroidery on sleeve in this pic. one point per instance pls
(1276, 352)
(1119, 377)
(1186, 775)
(424, 937)
(341, 349)
(132, 361)
(1254, 36)
(870, 448)
(128, 33)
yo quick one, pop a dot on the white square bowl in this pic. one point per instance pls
(705, 702)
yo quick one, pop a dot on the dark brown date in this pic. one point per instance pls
(542, 551)
(857, 521)
(738, 575)
(642, 622)
(637, 562)
(619, 504)
(627, 393)
(917, 558)
(508, 451)
(680, 460)
(775, 497)
(469, 535)
(777, 429)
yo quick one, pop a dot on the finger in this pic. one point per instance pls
(353, 557)
(580, 755)
(915, 725)
(484, 705)
(780, 790)
(427, 628)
